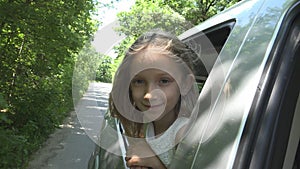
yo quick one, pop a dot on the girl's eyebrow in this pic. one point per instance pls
(164, 74)
(138, 76)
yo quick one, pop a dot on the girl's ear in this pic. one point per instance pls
(187, 84)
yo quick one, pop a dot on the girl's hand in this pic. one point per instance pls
(141, 156)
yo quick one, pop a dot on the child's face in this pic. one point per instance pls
(154, 88)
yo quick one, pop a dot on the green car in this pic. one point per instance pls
(249, 106)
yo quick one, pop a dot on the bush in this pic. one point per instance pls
(33, 112)
(103, 73)
(13, 151)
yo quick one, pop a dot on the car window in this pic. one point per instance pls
(208, 44)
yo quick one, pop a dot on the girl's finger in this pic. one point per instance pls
(127, 158)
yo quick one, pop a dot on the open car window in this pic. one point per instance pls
(208, 44)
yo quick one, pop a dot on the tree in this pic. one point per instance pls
(86, 63)
(175, 16)
(103, 73)
(39, 41)
(197, 11)
(144, 16)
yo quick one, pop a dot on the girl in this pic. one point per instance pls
(153, 96)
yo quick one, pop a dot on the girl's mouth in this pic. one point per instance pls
(154, 106)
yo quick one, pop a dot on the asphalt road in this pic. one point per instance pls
(70, 146)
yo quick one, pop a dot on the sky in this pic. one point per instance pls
(105, 38)
(110, 14)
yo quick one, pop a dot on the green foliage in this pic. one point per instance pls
(39, 41)
(87, 62)
(103, 73)
(175, 16)
(197, 11)
(13, 149)
(121, 49)
(144, 16)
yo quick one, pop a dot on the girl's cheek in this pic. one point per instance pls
(138, 92)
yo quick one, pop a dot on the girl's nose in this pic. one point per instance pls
(149, 91)
(148, 96)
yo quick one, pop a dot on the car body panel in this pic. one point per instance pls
(240, 65)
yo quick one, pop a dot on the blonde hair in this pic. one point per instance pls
(168, 45)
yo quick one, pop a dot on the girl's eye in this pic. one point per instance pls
(138, 82)
(164, 81)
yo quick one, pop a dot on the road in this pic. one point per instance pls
(70, 146)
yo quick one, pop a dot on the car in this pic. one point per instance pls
(248, 113)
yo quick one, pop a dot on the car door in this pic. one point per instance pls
(271, 135)
(247, 114)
